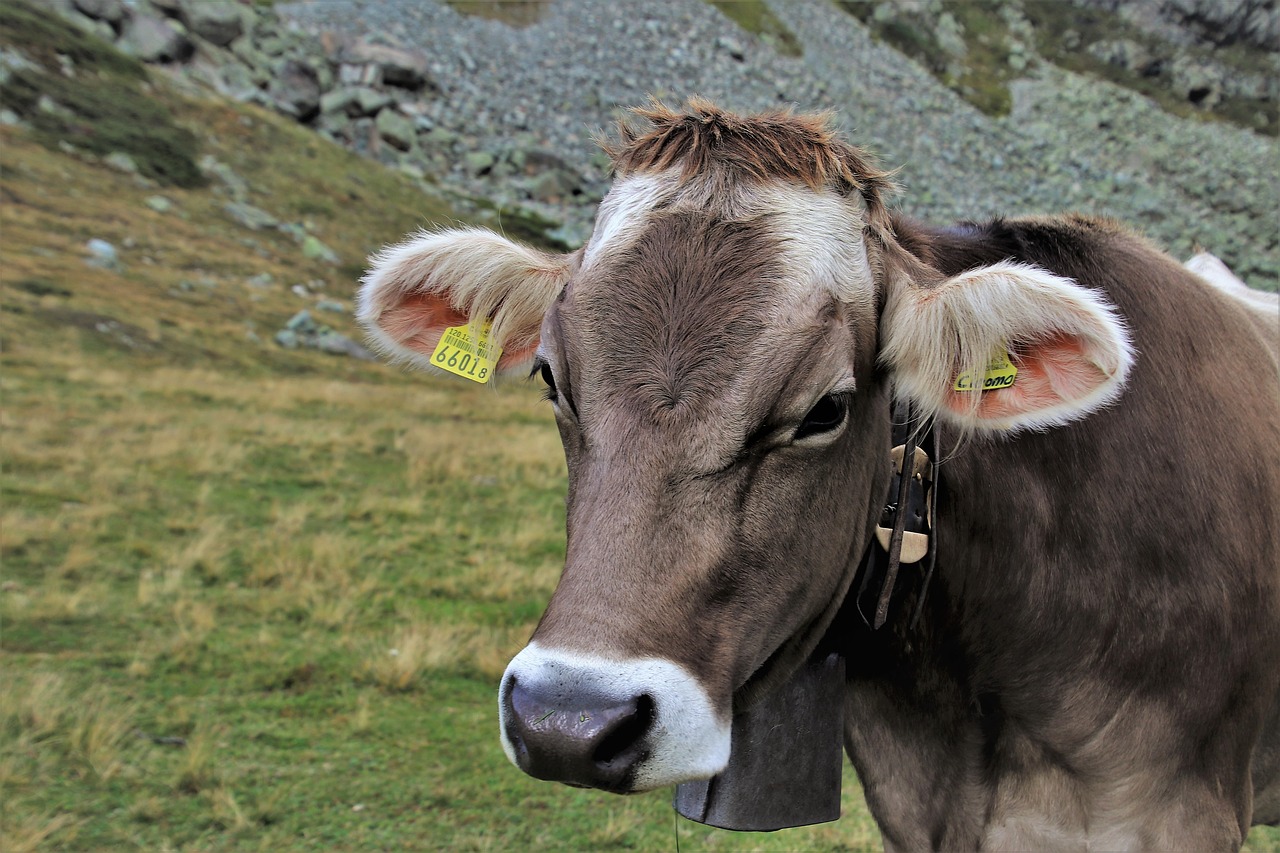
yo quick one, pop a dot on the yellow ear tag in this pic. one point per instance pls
(1000, 373)
(469, 356)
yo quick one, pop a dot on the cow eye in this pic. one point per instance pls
(827, 414)
(548, 377)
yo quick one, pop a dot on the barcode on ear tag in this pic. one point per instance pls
(1000, 373)
(464, 354)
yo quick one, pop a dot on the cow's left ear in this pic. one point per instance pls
(1070, 349)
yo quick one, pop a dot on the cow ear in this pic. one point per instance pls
(417, 289)
(1071, 350)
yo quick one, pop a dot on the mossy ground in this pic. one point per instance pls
(82, 93)
(757, 18)
(983, 73)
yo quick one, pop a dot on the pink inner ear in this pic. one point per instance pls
(1051, 371)
(419, 320)
(514, 358)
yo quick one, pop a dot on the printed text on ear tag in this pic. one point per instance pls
(469, 356)
(1000, 373)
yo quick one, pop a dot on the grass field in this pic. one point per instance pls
(253, 598)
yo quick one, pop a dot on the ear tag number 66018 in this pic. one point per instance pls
(470, 356)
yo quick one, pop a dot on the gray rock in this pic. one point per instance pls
(171, 8)
(334, 343)
(159, 204)
(339, 100)
(327, 340)
(287, 339)
(102, 254)
(121, 162)
(397, 129)
(273, 46)
(356, 74)
(237, 186)
(111, 11)
(553, 185)
(478, 163)
(332, 306)
(245, 50)
(732, 46)
(262, 280)
(370, 101)
(46, 104)
(950, 35)
(302, 323)
(1122, 53)
(218, 22)
(249, 216)
(392, 66)
(355, 101)
(296, 90)
(314, 250)
(155, 40)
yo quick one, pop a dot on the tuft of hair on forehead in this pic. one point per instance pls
(705, 140)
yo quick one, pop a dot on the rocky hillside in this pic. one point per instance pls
(1161, 113)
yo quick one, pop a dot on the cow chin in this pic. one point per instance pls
(620, 725)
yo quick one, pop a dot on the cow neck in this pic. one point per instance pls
(910, 512)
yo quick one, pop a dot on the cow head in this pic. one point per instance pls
(720, 359)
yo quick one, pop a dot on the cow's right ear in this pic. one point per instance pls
(416, 289)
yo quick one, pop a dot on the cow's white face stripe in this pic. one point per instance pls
(822, 242)
(688, 738)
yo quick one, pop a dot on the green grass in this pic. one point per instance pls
(757, 18)
(515, 13)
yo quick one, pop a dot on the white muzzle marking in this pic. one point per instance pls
(687, 740)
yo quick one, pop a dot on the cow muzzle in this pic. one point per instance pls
(619, 725)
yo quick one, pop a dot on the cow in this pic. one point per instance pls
(1094, 662)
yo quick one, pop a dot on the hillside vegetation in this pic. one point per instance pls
(252, 597)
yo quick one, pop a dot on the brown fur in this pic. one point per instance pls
(1107, 606)
(706, 141)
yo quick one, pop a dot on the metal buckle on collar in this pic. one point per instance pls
(918, 509)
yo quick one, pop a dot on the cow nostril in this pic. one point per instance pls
(625, 735)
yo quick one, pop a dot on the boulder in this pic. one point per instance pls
(396, 128)
(155, 40)
(103, 254)
(395, 67)
(111, 11)
(295, 90)
(355, 101)
(314, 250)
(218, 22)
(251, 217)
(478, 163)
(370, 101)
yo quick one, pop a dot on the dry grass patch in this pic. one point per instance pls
(21, 832)
(99, 733)
(197, 770)
(44, 719)
(402, 661)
